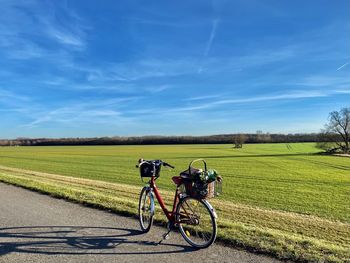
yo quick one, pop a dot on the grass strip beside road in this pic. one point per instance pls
(284, 235)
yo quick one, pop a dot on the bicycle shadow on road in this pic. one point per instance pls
(81, 240)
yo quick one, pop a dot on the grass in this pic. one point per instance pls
(291, 203)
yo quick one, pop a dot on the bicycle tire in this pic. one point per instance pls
(197, 222)
(146, 209)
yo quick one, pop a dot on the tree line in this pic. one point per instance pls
(334, 138)
(258, 137)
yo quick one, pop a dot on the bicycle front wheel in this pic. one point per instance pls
(197, 223)
(146, 209)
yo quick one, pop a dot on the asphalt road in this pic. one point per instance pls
(39, 228)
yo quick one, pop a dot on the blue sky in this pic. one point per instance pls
(104, 68)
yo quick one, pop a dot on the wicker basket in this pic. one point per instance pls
(204, 191)
(193, 184)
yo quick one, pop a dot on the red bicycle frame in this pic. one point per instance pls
(169, 214)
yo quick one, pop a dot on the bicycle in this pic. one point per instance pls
(191, 213)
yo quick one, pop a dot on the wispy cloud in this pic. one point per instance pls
(322, 81)
(287, 96)
(26, 29)
(17, 48)
(139, 69)
(8, 95)
(247, 100)
(343, 66)
(296, 95)
(165, 21)
(13, 103)
(96, 111)
(169, 111)
(148, 68)
(65, 37)
(343, 91)
(97, 74)
(74, 115)
(157, 89)
(68, 28)
(238, 63)
(205, 97)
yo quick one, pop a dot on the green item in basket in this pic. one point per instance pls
(212, 175)
(209, 176)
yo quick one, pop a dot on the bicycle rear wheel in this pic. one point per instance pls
(146, 209)
(197, 223)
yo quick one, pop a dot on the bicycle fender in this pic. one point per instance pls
(211, 208)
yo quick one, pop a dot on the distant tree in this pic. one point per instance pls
(336, 135)
(263, 137)
(239, 140)
(267, 137)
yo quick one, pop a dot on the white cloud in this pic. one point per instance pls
(8, 96)
(205, 97)
(296, 95)
(286, 96)
(24, 25)
(65, 37)
(138, 70)
(343, 91)
(157, 89)
(96, 111)
(323, 80)
(132, 71)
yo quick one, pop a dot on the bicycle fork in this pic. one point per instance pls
(152, 206)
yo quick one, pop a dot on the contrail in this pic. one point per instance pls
(212, 36)
(209, 43)
(342, 66)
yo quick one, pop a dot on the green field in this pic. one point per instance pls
(287, 201)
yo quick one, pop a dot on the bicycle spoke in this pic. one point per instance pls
(197, 224)
(145, 211)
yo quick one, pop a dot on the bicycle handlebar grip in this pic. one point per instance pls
(166, 164)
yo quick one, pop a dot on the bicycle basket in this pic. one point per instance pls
(194, 173)
(200, 190)
(149, 169)
(200, 184)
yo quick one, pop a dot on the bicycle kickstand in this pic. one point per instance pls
(167, 234)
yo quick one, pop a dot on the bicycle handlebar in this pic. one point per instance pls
(169, 165)
(154, 161)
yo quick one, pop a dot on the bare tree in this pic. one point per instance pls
(336, 135)
(238, 140)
